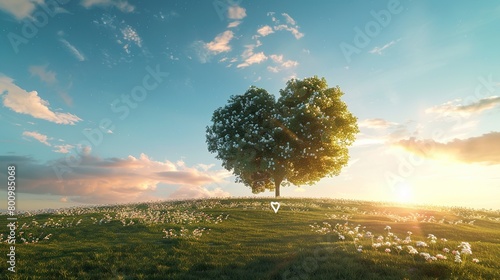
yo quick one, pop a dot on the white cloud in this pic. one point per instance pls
(78, 55)
(379, 50)
(234, 24)
(20, 9)
(42, 73)
(254, 58)
(273, 69)
(294, 30)
(277, 58)
(122, 5)
(250, 57)
(282, 64)
(289, 19)
(63, 149)
(29, 103)
(291, 25)
(265, 30)
(248, 51)
(289, 64)
(37, 136)
(220, 43)
(236, 12)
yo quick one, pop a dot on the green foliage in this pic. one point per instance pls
(241, 135)
(299, 138)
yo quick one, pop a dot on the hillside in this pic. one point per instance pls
(245, 239)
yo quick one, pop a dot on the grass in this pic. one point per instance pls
(245, 239)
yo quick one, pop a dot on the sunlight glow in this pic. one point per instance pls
(403, 193)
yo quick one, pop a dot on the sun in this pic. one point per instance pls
(403, 192)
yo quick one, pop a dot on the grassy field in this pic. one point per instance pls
(245, 239)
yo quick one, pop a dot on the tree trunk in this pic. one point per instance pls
(277, 184)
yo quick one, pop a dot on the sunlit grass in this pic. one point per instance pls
(245, 239)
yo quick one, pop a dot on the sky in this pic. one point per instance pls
(107, 101)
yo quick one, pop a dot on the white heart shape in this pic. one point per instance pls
(275, 206)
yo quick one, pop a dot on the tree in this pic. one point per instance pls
(297, 139)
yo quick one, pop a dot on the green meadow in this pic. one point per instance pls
(245, 239)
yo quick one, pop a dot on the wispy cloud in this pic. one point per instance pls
(122, 5)
(97, 180)
(376, 123)
(166, 16)
(37, 136)
(41, 72)
(78, 55)
(234, 24)
(289, 19)
(63, 149)
(29, 103)
(273, 69)
(294, 30)
(291, 25)
(379, 50)
(277, 58)
(482, 149)
(50, 77)
(378, 131)
(454, 106)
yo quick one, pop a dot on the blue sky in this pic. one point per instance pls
(107, 101)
